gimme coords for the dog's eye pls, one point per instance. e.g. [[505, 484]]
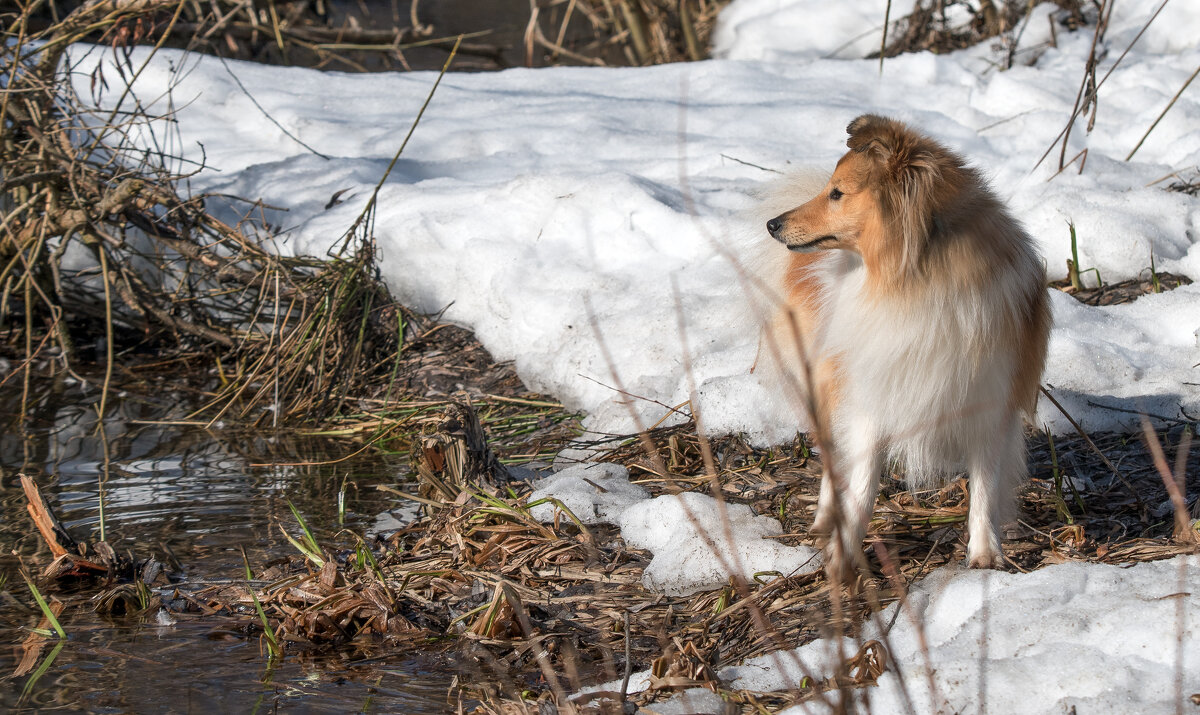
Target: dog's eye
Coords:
[[835, 195]]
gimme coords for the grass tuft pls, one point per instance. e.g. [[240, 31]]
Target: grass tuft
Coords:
[[308, 543]]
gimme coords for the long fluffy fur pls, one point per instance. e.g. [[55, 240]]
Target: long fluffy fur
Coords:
[[915, 325]]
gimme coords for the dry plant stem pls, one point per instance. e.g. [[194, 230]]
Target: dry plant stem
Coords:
[[530, 31], [690, 39], [893, 576], [1103, 457], [875, 615], [685, 188], [984, 618], [273, 339], [1062, 135], [1088, 80], [802, 400], [107, 124], [635, 20], [562, 28], [1175, 484], [18, 51], [1081, 157], [367, 210], [628, 662], [105, 471], [43, 518], [418, 28], [263, 110], [514, 600], [887, 17], [1163, 113], [1180, 629], [108, 346], [710, 467], [760, 619], [1181, 454], [28, 346]]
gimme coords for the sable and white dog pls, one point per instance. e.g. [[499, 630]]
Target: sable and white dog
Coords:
[[915, 321]]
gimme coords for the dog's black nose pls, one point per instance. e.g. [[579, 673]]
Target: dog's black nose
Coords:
[[774, 226]]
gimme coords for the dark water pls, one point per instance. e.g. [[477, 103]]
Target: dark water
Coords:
[[199, 495]]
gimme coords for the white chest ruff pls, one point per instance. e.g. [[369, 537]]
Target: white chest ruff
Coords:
[[924, 377]]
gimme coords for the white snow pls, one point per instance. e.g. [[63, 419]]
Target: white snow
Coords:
[[696, 543], [527, 196], [696, 549], [1089, 637], [693, 701], [593, 492], [560, 211]]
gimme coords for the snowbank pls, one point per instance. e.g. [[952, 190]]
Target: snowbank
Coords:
[[696, 544], [1089, 638], [527, 196]]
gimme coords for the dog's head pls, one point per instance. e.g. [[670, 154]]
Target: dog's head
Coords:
[[882, 200]]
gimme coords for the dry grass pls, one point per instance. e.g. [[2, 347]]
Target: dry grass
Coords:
[[104, 259], [369, 37], [541, 609], [1123, 291], [619, 32], [942, 26]]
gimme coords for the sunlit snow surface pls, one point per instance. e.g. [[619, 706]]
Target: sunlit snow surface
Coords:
[[1096, 638], [526, 196], [557, 210], [697, 543]]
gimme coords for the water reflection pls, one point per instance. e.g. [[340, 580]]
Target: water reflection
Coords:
[[174, 490]]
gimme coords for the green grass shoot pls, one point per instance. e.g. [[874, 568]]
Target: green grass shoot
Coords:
[[49, 614], [309, 547], [246, 564], [1060, 504], [1073, 271], [274, 648], [341, 502], [41, 670]]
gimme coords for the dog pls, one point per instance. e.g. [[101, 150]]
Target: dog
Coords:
[[914, 322]]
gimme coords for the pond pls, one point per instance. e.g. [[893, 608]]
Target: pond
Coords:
[[194, 497]]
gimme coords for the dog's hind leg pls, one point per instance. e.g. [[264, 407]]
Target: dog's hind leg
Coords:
[[996, 466]]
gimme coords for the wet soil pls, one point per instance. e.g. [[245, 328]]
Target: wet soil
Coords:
[[1123, 291]]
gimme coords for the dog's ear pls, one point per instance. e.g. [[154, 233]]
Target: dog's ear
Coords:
[[869, 134], [907, 171], [900, 156]]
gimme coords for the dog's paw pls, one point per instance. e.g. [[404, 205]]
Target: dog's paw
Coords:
[[987, 560], [822, 525], [984, 552], [839, 571], [839, 567]]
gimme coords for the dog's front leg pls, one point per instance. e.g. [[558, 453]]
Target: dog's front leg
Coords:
[[856, 499], [824, 520], [996, 466]]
